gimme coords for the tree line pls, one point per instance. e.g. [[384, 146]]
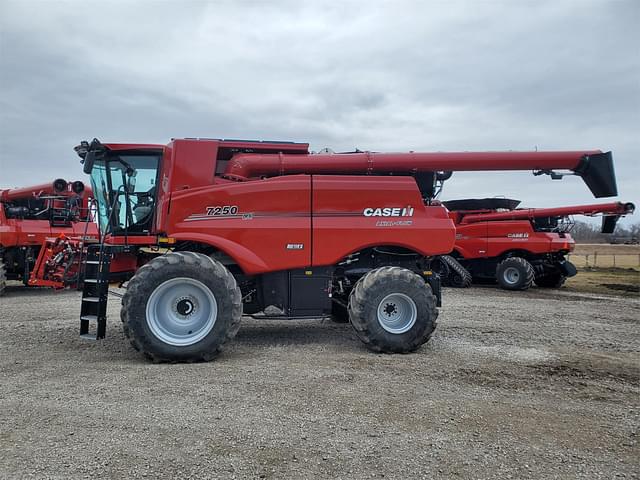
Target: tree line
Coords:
[[590, 233]]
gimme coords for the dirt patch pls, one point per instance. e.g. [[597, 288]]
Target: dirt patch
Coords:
[[613, 281], [625, 287]]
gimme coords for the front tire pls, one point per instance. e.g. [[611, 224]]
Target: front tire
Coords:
[[515, 273], [392, 310], [181, 307]]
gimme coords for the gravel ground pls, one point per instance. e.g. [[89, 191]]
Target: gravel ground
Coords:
[[537, 384]]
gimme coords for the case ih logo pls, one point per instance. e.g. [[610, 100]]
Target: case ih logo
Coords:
[[517, 235], [388, 212]]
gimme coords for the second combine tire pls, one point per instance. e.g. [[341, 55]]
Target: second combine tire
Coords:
[[515, 273], [181, 307], [392, 310], [458, 277], [552, 280]]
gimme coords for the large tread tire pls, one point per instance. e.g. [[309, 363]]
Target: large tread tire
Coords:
[[458, 277], [367, 295], [524, 274], [554, 280], [3, 277], [191, 265]]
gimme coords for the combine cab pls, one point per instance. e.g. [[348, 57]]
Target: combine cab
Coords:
[[516, 247], [214, 229], [44, 225]]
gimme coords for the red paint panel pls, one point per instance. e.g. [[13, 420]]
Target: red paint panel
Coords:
[[271, 215], [194, 164], [340, 226], [515, 235], [471, 240]]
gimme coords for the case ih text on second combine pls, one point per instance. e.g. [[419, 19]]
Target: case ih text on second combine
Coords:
[[213, 229]]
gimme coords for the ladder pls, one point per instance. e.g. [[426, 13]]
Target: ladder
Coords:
[[95, 291]]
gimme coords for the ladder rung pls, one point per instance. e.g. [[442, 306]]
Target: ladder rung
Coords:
[[91, 299], [90, 318], [93, 262], [90, 280]]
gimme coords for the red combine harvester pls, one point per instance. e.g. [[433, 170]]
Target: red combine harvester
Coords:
[[516, 247], [217, 228], [39, 218]]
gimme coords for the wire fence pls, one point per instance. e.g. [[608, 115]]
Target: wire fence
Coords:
[[606, 260]]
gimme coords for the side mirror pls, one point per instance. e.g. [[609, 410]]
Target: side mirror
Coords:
[[88, 162]]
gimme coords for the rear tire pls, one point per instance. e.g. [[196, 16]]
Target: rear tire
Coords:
[[554, 280], [392, 310], [181, 307], [515, 273], [3, 277]]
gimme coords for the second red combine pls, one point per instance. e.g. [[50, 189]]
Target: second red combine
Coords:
[[515, 247]]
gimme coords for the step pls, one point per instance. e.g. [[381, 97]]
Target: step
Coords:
[[90, 280], [91, 299], [90, 318], [93, 262]]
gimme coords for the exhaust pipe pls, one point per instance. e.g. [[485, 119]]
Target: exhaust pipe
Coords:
[[77, 187], [59, 185]]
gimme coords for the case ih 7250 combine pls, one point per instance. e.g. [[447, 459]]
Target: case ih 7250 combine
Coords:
[[31, 215], [268, 229], [515, 247]]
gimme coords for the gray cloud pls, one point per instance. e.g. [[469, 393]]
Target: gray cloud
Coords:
[[386, 76]]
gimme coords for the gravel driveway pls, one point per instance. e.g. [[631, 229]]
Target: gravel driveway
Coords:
[[530, 384]]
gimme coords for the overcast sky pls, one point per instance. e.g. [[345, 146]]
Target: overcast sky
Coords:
[[385, 76]]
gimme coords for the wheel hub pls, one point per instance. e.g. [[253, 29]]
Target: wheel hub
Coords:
[[185, 306], [511, 275], [181, 311], [390, 309], [397, 313]]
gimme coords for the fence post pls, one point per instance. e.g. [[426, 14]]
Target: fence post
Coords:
[[595, 259], [614, 260], [586, 260]]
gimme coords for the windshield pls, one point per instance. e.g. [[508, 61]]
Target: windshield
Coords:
[[124, 187]]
